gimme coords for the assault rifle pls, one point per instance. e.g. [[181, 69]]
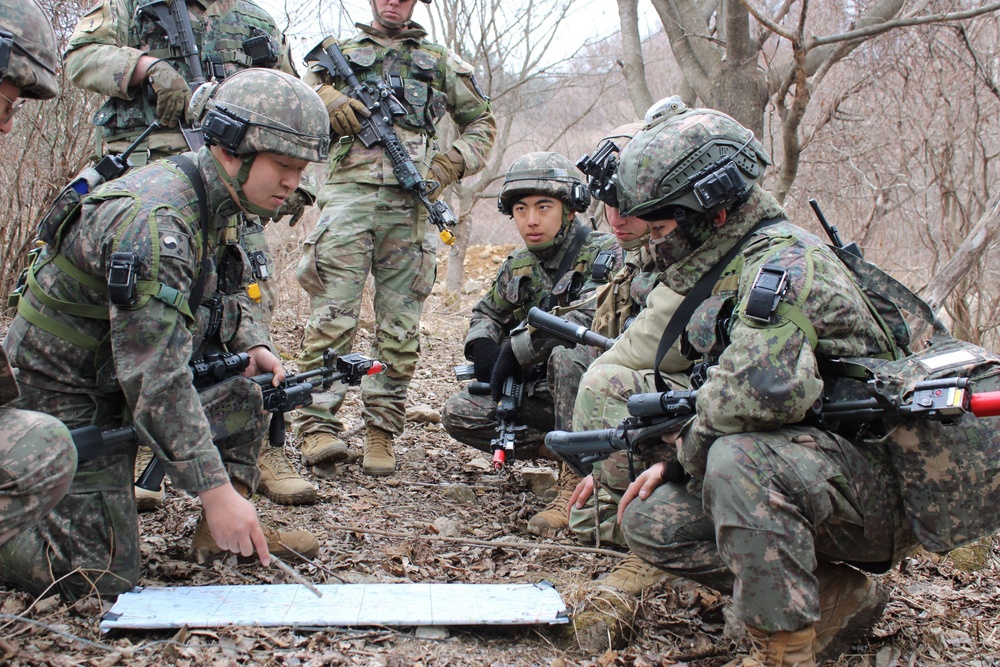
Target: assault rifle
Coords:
[[377, 129], [294, 392], [172, 18], [563, 328], [502, 446], [651, 415]]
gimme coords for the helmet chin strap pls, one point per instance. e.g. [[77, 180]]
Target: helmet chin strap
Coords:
[[236, 183]]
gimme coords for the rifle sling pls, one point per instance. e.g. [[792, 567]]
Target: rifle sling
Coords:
[[567, 262], [701, 291], [194, 176]]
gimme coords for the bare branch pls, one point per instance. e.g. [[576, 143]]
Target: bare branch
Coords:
[[878, 29]]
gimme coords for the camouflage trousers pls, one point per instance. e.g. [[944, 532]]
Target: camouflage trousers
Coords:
[[772, 506], [89, 542], [38, 461], [365, 229]]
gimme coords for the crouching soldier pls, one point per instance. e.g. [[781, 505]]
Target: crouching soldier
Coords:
[[147, 275]]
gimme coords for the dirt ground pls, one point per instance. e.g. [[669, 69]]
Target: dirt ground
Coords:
[[943, 611]]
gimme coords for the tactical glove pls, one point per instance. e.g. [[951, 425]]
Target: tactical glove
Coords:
[[506, 366], [483, 353], [344, 111], [447, 168], [294, 205], [172, 92]]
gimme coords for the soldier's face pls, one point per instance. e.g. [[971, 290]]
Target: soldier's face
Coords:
[[660, 228], [9, 104], [272, 178], [392, 14], [625, 229], [538, 218]]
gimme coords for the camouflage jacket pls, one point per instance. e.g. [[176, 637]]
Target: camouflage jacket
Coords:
[[524, 280], [433, 81], [619, 301], [8, 385], [105, 48], [134, 360], [768, 372]]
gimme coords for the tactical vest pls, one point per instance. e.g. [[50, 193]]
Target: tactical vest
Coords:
[[416, 75], [220, 48]]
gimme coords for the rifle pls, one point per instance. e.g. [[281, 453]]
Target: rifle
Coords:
[[650, 416], [502, 446], [293, 393], [563, 328], [944, 400], [377, 129], [172, 18]]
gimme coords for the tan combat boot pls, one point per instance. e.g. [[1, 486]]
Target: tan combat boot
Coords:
[[779, 649], [279, 480], [633, 575], [850, 603], [555, 515], [145, 500], [284, 544], [379, 460], [323, 447]]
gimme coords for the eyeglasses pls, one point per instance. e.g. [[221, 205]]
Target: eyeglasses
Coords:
[[13, 106]]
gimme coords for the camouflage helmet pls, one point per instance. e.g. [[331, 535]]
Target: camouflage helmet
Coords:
[[698, 159], [28, 53], [267, 111], [543, 173]]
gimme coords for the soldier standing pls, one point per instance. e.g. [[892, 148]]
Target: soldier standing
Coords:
[[125, 55], [36, 452], [369, 224], [777, 512], [149, 275], [543, 193]]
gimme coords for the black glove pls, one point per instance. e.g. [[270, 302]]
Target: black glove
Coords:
[[505, 367], [483, 353]]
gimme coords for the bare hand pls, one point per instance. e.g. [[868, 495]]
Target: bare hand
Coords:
[[233, 522], [583, 491], [643, 485], [263, 361]]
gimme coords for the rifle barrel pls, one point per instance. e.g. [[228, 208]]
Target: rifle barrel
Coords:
[[567, 330]]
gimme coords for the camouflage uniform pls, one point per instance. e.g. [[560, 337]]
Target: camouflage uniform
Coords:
[[116, 363], [781, 498], [522, 282], [37, 460], [369, 224]]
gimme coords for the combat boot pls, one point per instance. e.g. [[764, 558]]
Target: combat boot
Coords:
[[555, 515], [380, 460], [850, 603], [279, 480], [323, 447], [779, 649], [284, 544], [633, 575], [145, 500]]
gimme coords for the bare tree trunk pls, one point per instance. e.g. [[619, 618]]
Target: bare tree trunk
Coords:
[[632, 63]]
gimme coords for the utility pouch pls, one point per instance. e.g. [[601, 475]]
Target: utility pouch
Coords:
[[262, 49], [121, 279]]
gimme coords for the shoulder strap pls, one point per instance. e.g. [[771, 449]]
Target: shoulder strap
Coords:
[[701, 291], [194, 176], [567, 262]]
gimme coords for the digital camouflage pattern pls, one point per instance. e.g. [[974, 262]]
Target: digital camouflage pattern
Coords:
[[38, 460], [136, 367], [522, 282], [544, 173], [105, 48], [838, 501], [370, 225], [34, 58], [434, 81]]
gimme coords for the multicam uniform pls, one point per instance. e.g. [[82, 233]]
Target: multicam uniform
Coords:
[[779, 498], [523, 281], [37, 460], [100, 363], [369, 224]]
